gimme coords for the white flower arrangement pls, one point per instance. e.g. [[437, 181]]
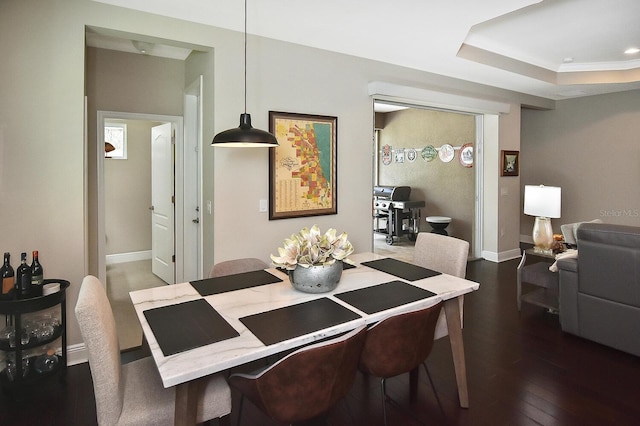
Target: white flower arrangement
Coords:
[[310, 247]]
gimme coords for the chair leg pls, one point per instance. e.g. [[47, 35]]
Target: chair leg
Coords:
[[384, 400], [433, 386], [240, 409]]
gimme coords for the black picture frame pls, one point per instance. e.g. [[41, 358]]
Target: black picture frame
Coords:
[[303, 168], [510, 163]]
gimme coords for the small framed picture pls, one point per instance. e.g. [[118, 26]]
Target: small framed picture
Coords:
[[510, 164]]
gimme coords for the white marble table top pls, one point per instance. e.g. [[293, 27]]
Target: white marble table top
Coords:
[[220, 356]]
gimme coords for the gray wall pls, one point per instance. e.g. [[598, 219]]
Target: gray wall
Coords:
[[590, 147], [448, 189]]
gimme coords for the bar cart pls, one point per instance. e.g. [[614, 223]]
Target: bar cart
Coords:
[[33, 339]]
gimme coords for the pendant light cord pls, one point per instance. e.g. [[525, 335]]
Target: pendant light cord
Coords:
[[245, 56]]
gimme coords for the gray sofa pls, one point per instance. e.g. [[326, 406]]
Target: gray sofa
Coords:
[[600, 290]]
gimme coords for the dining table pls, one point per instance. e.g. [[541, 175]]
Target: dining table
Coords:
[[199, 328]]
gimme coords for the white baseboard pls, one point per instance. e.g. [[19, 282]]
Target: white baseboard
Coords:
[[128, 257], [501, 256], [77, 354]]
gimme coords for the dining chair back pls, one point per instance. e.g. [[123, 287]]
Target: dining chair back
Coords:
[[133, 394], [305, 383], [399, 344], [237, 266], [443, 254]]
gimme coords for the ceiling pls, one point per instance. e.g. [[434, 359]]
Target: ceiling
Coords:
[[554, 49]]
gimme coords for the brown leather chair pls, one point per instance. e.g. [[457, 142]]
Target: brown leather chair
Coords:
[[237, 266], [399, 344], [305, 383]]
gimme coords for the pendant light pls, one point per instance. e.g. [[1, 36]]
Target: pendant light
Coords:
[[245, 135]]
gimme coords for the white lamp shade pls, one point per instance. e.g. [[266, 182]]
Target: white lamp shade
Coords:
[[542, 201]]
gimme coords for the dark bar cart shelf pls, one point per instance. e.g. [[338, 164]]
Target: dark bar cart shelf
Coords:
[[33, 339]]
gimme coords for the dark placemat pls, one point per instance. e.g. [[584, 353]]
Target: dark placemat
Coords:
[[292, 321], [385, 296], [404, 270], [187, 325], [346, 266], [217, 285]]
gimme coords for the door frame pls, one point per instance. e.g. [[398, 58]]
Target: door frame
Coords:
[[192, 189], [477, 231], [177, 123]]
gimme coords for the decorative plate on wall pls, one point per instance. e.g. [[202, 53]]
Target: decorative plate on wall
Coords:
[[429, 153], [386, 154], [446, 153], [466, 155]]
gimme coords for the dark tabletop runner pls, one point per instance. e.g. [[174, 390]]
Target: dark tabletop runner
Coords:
[[384, 296], [400, 269], [233, 282], [297, 320], [187, 325]]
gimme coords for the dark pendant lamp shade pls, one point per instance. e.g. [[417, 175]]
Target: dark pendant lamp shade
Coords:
[[244, 136]]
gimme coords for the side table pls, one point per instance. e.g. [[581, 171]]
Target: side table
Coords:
[[539, 275]]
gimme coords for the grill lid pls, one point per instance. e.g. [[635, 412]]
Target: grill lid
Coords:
[[392, 193]]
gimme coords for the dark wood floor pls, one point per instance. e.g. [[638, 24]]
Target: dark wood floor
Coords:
[[522, 370]]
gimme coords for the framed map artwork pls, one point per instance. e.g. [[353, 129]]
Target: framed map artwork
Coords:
[[302, 169]]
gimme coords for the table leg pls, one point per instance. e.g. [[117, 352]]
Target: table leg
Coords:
[[452, 312], [186, 404]]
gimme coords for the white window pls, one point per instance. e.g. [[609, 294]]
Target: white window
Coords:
[[115, 140]]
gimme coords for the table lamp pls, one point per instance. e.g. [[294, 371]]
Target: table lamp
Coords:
[[543, 202]]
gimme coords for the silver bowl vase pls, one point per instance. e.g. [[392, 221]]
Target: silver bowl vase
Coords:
[[316, 279]]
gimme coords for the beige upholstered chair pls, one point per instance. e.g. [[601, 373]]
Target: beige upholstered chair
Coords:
[[133, 394], [399, 344], [443, 254], [237, 266], [305, 383]]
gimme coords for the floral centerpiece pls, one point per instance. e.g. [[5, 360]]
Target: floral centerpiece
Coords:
[[314, 260], [310, 247]]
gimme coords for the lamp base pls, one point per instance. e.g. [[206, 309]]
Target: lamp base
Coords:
[[542, 235]]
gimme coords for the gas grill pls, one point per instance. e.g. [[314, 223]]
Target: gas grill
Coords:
[[394, 214]]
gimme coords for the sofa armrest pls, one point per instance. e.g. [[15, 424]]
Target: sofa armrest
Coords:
[[568, 295], [569, 264]]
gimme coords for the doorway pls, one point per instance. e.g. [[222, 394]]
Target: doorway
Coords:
[[186, 170], [148, 167], [448, 186], [143, 184]]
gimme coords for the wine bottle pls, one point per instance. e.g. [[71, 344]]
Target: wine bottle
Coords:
[[37, 275], [6, 272], [23, 278]]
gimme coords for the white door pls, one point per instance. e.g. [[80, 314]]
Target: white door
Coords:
[[162, 206]]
